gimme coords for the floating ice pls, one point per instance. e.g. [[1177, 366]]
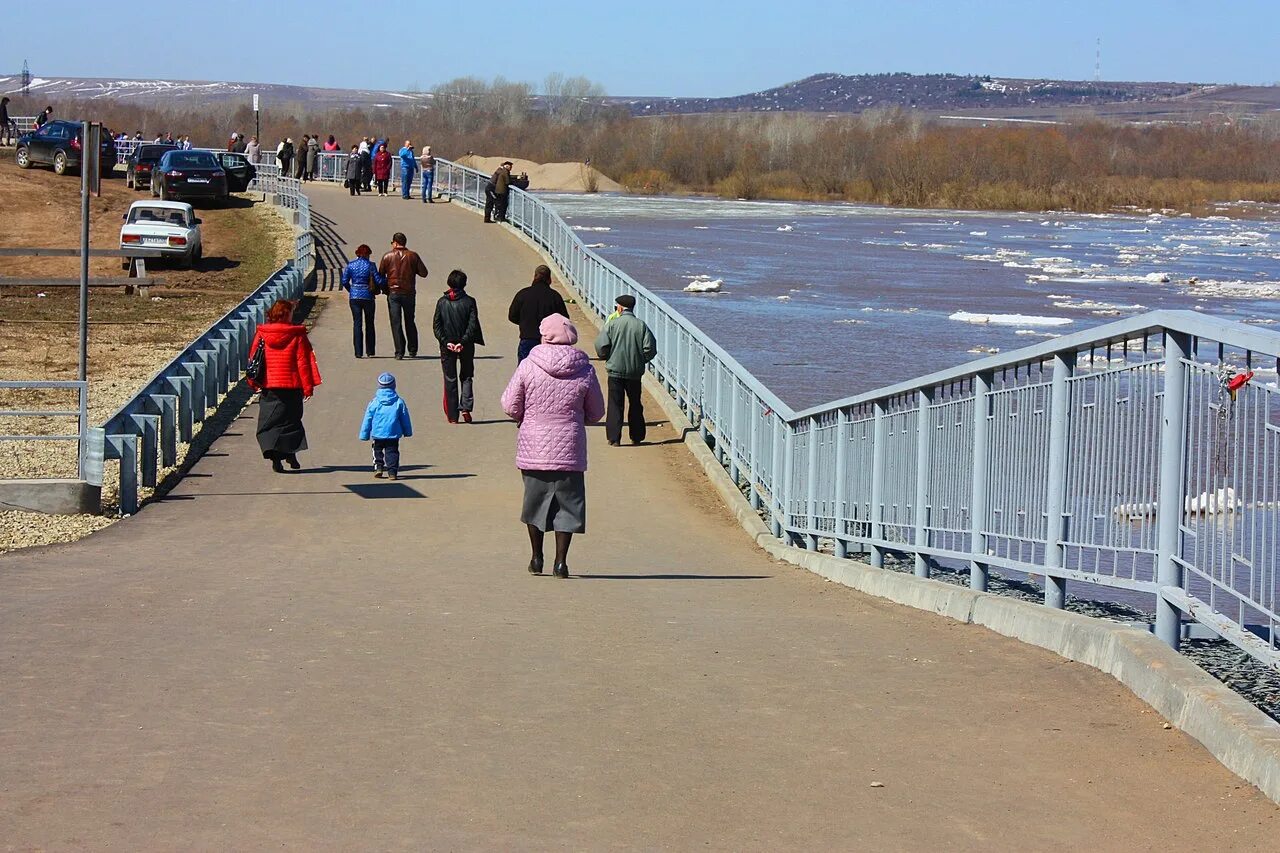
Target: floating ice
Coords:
[[785, 228], [977, 233], [704, 285], [1008, 319], [590, 228]]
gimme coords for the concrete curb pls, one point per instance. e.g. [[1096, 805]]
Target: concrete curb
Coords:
[[1244, 739]]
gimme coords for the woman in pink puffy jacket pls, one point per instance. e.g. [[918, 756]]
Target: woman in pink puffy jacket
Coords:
[[553, 395]]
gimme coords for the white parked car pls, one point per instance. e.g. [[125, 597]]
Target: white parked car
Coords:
[[170, 227]]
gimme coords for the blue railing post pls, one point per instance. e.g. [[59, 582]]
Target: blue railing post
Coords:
[[924, 428], [1169, 507], [880, 437], [753, 478], [775, 472], [811, 487], [1055, 588], [788, 497], [840, 496], [978, 570]]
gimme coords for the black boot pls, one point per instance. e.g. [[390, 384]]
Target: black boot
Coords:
[[535, 565], [560, 570], [276, 466], [293, 461]]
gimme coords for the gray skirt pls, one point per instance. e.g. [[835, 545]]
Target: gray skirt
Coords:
[[555, 500]]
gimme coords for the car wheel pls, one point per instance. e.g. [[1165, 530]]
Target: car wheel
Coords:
[[159, 193], [60, 163], [129, 181], [24, 158]]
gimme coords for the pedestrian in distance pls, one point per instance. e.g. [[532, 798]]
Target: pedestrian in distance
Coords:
[[291, 378], [44, 117], [408, 165], [457, 327], [353, 181], [300, 158], [428, 164], [382, 169], [386, 421], [8, 127], [253, 151], [362, 281], [367, 164], [401, 267], [627, 345], [313, 158], [284, 157], [331, 145], [530, 306], [553, 395]]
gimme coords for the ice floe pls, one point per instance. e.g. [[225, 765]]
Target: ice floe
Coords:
[[1009, 319]]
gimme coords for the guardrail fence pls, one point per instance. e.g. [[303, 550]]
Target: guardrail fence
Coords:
[[1144, 454]]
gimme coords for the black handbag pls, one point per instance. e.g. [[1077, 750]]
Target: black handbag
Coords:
[[256, 370]]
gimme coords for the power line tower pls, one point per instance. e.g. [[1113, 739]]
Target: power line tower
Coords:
[[1097, 63], [26, 79]]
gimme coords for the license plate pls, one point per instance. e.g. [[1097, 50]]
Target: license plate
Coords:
[[155, 241], [198, 180]]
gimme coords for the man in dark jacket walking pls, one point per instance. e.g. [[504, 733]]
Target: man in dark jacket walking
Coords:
[[627, 345], [531, 306], [402, 268], [457, 328]]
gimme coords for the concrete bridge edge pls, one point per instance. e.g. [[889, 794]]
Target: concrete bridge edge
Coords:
[[1239, 735]]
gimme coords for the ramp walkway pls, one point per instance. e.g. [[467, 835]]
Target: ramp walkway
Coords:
[[321, 660]]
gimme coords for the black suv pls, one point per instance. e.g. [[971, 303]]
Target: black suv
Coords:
[[58, 144], [137, 169]]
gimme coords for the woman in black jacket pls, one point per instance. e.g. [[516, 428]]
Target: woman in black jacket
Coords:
[[457, 328]]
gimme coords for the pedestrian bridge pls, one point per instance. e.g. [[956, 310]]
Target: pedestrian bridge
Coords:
[[321, 660]]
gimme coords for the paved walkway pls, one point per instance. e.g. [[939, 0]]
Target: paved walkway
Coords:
[[324, 661]]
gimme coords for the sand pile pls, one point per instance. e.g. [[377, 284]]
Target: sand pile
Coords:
[[562, 177]]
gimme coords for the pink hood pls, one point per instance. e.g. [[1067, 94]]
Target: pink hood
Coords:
[[553, 395]]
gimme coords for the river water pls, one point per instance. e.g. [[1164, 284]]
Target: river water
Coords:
[[821, 301]]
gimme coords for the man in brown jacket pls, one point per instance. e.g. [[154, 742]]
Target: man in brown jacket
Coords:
[[402, 267]]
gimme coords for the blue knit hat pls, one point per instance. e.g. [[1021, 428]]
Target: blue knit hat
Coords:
[[387, 380]]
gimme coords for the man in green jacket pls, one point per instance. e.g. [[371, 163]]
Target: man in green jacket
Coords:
[[627, 345]]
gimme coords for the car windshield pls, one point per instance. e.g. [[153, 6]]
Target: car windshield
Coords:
[[158, 216], [192, 160], [153, 152]]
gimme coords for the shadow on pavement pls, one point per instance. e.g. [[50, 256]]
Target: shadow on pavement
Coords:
[[673, 577]]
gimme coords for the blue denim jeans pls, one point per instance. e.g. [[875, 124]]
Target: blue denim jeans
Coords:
[[428, 185], [526, 347], [406, 182]]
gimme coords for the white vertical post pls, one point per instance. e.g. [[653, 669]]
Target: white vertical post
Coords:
[[1055, 588], [923, 470], [811, 487], [978, 569], [880, 437], [839, 509], [1169, 508]]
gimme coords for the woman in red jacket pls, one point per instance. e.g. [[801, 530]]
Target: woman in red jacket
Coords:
[[292, 376], [382, 168]]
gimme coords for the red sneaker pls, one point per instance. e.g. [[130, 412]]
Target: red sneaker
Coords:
[[466, 416]]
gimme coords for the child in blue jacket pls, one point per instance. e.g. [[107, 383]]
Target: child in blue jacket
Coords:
[[386, 421]]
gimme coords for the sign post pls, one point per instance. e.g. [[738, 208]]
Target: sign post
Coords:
[[90, 159], [257, 119]]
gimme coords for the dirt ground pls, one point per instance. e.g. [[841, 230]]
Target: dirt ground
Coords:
[[130, 336]]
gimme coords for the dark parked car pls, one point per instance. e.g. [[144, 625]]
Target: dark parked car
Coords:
[[138, 168], [189, 174], [58, 144], [240, 172]]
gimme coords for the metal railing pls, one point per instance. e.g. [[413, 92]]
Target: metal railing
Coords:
[[1144, 454], [80, 414]]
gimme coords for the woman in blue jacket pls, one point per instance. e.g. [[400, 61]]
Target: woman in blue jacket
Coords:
[[361, 280]]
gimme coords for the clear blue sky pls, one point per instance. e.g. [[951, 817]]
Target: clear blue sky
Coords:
[[651, 48]]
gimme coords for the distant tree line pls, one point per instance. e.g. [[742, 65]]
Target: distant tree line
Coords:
[[889, 157]]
